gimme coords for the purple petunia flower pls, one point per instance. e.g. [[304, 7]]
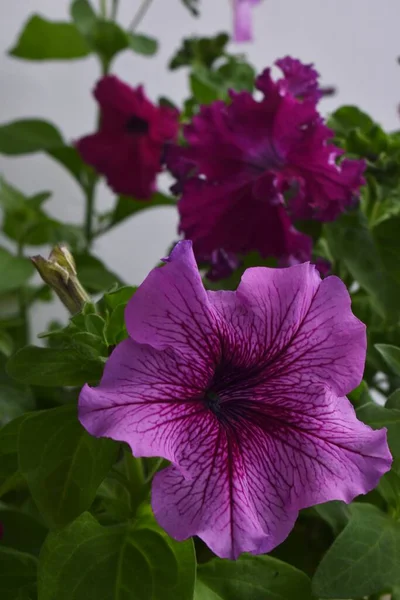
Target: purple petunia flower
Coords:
[[244, 392], [242, 24], [129, 146], [251, 168]]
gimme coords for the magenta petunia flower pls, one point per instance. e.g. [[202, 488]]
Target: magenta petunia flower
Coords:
[[129, 146], [251, 168], [242, 21], [244, 392]]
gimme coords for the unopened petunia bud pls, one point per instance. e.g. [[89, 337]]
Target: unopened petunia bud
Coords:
[[59, 272]]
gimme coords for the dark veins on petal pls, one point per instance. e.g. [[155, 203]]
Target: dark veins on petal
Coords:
[[137, 125]]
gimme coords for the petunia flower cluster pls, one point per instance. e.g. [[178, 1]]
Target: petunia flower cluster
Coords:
[[252, 168], [245, 394]]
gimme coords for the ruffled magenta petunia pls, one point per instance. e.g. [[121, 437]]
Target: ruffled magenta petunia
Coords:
[[242, 20], [244, 393], [251, 168], [129, 146]]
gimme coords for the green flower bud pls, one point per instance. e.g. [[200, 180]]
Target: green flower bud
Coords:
[[59, 272]]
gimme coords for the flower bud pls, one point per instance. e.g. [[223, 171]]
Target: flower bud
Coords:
[[59, 272]]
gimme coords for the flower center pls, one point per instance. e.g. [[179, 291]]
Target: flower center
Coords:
[[137, 125], [213, 402]]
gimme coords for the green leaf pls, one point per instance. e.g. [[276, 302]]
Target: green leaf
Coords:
[[134, 560], [394, 400], [62, 464], [21, 531], [142, 44], [205, 86], [28, 135], [127, 207], [10, 477], [119, 296], [14, 401], [83, 16], [49, 40], [379, 416], [364, 559], [107, 39], [391, 356], [251, 578], [17, 573], [93, 275], [116, 330], [14, 271], [54, 367], [348, 118], [351, 241], [200, 51]]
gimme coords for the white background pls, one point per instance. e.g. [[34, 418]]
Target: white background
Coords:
[[354, 44]]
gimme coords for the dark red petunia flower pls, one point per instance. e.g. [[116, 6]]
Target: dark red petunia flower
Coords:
[[251, 168], [129, 146]]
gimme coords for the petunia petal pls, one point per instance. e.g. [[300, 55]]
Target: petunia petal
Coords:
[[215, 501], [171, 309], [146, 398], [244, 484], [305, 324]]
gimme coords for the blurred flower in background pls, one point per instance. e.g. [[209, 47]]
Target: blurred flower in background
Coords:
[[129, 145], [242, 20]]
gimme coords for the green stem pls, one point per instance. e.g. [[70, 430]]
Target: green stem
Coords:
[[103, 9], [89, 213], [23, 308], [143, 8], [133, 468], [114, 10]]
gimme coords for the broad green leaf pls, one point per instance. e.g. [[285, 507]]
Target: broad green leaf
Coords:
[[17, 573], [364, 559], [116, 330], [54, 367], [50, 40], [137, 560], [83, 16], [28, 135], [379, 416], [10, 477], [11, 199], [204, 88], [335, 513], [21, 531], [142, 44], [394, 400], [391, 356], [360, 395], [62, 464], [251, 578], [348, 118], [119, 296], [107, 39], [389, 487], [6, 343], [93, 275], [14, 271], [126, 206], [351, 241], [14, 401]]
